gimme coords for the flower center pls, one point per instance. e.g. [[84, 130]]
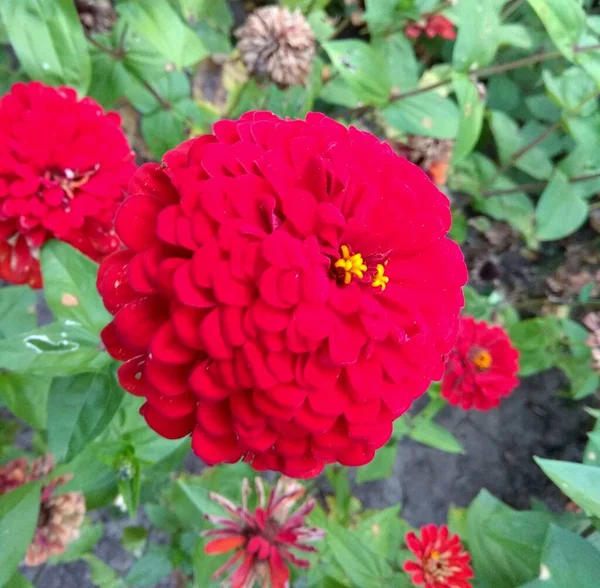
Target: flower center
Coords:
[[352, 265], [436, 568], [482, 359], [70, 180]]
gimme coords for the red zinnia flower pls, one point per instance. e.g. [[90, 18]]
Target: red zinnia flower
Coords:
[[287, 292], [441, 559], [482, 368], [433, 25], [262, 541], [64, 165]]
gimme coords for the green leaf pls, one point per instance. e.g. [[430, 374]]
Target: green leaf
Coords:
[[206, 565], [151, 568], [591, 455], [559, 211], [564, 20], [570, 560], [18, 581], [79, 409], [428, 115], [361, 564], [102, 575], [18, 518], [402, 62], [572, 90], [581, 483], [506, 134], [380, 467], [363, 68], [48, 40], [70, 286], [514, 35], [162, 27], [536, 339], [17, 310], [504, 544], [26, 397], [89, 535], [134, 539], [379, 14], [471, 107], [56, 349], [434, 435], [478, 34], [383, 530]]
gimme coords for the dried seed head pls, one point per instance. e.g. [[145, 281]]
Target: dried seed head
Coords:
[[279, 44], [97, 16]]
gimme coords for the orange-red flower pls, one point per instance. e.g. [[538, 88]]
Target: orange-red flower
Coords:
[[262, 542], [64, 166], [441, 561], [433, 25], [482, 368]]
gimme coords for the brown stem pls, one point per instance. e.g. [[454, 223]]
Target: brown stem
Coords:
[[534, 186], [164, 103], [510, 8], [114, 53], [482, 72]]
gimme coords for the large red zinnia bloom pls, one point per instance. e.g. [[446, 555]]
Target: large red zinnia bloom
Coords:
[[441, 559], [482, 368], [262, 542], [287, 291], [64, 165]]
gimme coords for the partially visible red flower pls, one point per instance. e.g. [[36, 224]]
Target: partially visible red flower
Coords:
[[64, 166], [441, 561], [262, 542], [482, 368], [287, 291], [60, 517], [433, 25]]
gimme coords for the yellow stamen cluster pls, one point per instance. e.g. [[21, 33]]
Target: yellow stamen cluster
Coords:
[[353, 265], [482, 359], [379, 279]]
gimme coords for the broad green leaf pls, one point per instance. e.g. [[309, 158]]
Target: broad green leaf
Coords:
[[559, 211], [18, 518], [383, 530], [56, 349], [584, 381], [48, 40], [570, 560], [478, 34], [103, 575], [360, 563], [26, 397], [471, 107], [591, 455], [18, 581], [17, 310], [134, 539], [380, 14], [504, 544], [589, 59], [581, 483], [516, 209], [79, 409], [215, 13], [338, 91], [514, 35], [162, 518], [428, 115], [543, 108], [434, 435], [563, 19], [380, 467], [504, 94], [572, 90], [320, 23], [363, 67], [161, 26], [70, 286], [151, 568], [197, 493], [402, 63], [508, 141], [89, 535]]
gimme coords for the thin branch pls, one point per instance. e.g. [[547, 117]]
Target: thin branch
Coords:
[[164, 103], [510, 8], [482, 72], [114, 53], [535, 186]]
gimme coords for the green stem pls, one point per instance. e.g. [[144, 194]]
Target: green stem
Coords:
[[510, 8], [534, 186]]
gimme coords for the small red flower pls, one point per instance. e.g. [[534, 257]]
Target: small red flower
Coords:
[[433, 25], [64, 165], [262, 541], [482, 368], [441, 562], [288, 290]]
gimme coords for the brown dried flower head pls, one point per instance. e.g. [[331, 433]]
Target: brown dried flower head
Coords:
[[430, 154], [60, 516], [97, 16], [279, 44]]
